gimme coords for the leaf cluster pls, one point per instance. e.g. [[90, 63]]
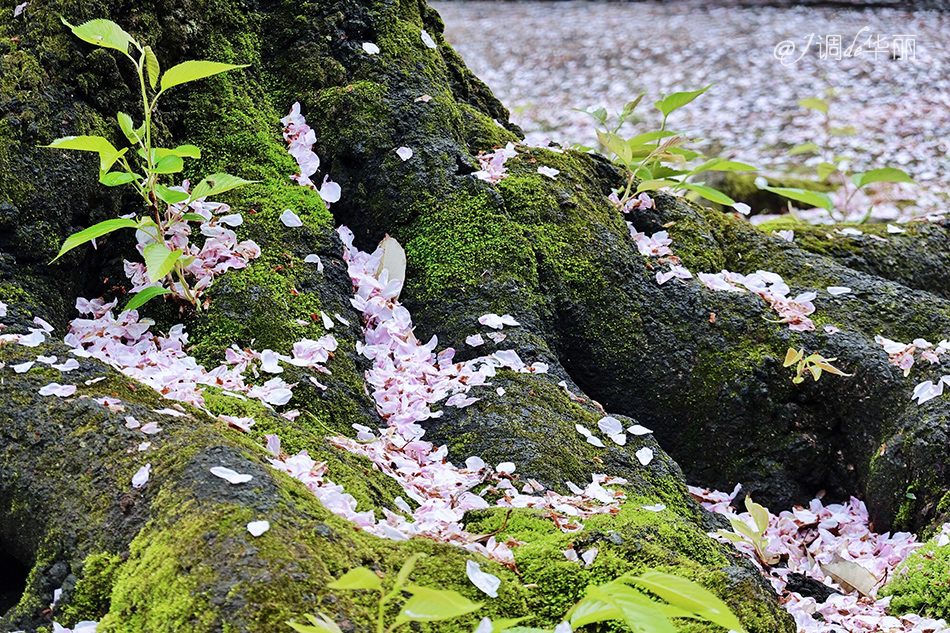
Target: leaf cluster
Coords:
[[657, 158], [742, 532], [160, 260], [626, 599], [814, 364]]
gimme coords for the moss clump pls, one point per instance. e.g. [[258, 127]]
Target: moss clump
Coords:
[[90, 599], [460, 242], [922, 583]]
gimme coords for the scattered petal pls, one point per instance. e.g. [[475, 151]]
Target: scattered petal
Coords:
[[24, 367], [370, 48], [427, 39], [256, 528], [140, 478], [657, 507], [595, 441], [742, 208], [475, 340], [488, 583], [56, 389], [638, 429], [891, 228], [550, 172], [838, 290], [589, 556], [290, 219], [404, 153], [645, 455], [230, 476]]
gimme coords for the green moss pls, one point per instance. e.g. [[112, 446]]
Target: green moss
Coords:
[[460, 242], [90, 599], [921, 584]]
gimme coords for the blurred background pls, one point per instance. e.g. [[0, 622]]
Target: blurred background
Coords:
[[888, 101]]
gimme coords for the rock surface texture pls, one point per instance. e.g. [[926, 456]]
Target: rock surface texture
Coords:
[[175, 554]]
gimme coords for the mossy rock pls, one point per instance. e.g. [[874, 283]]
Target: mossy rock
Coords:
[[919, 585]]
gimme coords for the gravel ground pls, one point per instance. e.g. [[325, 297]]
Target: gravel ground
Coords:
[[543, 58]]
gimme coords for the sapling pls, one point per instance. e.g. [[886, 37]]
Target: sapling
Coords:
[[835, 166], [166, 207], [656, 159], [815, 364], [622, 599]]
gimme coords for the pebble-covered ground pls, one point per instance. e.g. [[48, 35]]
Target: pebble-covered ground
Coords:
[[543, 58]]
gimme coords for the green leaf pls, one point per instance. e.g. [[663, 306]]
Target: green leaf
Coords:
[[169, 165], [151, 65], [159, 260], [357, 578], [615, 144], [708, 192], [591, 609], [792, 356], [804, 148], [193, 217], [733, 165], [599, 114], [103, 33], [825, 170], [814, 103], [647, 137], [887, 174], [678, 100], [403, 576], [185, 151], [664, 172], [630, 106], [216, 184], [115, 178], [653, 185], [193, 71], [323, 625], [94, 231], [429, 605], [848, 130], [128, 127], [108, 154], [814, 198], [758, 512], [170, 196], [144, 295], [639, 612], [688, 596], [497, 626], [742, 529]]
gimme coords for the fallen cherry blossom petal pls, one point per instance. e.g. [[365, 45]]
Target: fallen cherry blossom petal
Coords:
[[656, 507], [256, 528], [404, 153], [645, 455], [140, 478], [638, 429], [231, 476], [56, 389], [370, 48], [550, 172], [290, 219], [427, 39], [23, 367], [486, 582], [838, 290]]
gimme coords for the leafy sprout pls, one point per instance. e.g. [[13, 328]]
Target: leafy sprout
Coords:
[[162, 262]]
